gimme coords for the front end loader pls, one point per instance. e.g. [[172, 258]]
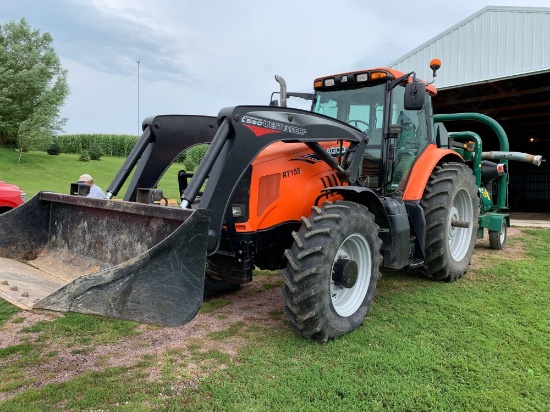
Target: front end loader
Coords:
[[144, 262], [130, 261], [361, 182]]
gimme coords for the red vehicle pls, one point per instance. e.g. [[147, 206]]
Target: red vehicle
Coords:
[[10, 196]]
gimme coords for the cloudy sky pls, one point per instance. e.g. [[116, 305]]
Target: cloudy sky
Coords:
[[197, 57]]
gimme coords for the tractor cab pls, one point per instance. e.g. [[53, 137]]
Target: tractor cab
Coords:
[[377, 102]]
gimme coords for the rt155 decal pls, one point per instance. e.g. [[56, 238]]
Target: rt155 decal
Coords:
[[291, 172]]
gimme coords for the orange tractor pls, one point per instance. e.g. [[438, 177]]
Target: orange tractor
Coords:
[[363, 181]]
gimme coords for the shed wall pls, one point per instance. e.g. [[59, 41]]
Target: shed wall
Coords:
[[496, 42]]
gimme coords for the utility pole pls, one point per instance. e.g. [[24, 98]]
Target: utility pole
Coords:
[[139, 120]]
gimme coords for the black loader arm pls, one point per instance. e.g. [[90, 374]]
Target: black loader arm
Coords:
[[163, 139], [243, 133]]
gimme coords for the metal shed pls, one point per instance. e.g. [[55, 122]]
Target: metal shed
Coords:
[[497, 62]]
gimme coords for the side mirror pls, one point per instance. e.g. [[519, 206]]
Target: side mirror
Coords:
[[415, 94], [274, 103]]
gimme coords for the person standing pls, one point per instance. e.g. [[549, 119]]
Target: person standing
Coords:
[[95, 190]]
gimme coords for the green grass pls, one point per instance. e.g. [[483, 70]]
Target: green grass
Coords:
[[478, 344], [7, 311], [77, 329], [471, 345], [38, 171], [211, 305]]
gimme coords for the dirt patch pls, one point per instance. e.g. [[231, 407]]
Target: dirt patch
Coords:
[[512, 249], [485, 257], [529, 216], [257, 303]]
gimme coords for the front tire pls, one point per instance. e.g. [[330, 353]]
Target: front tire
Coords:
[[450, 195], [497, 238], [332, 270]]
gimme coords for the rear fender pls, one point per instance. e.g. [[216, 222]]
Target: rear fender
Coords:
[[10, 198], [423, 167]]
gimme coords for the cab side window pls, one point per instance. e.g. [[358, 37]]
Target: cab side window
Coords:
[[412, 140]]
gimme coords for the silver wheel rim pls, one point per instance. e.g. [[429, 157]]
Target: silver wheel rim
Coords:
[[502, 234], [346, 301], [460, 237]]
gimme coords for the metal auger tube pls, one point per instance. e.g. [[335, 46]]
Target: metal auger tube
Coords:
[[518, 156]]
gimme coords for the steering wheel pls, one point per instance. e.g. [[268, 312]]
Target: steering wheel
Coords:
[[357, 122]]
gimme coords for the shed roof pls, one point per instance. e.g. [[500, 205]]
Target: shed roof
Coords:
[[494, 43]]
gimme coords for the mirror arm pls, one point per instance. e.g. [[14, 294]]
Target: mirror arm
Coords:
[[402, 78]]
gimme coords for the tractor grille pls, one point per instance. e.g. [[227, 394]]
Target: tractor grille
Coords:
[[268, 191]]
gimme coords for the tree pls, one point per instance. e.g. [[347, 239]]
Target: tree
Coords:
[[33, 87]]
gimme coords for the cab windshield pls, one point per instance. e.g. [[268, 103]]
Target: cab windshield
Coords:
[[361, 108]]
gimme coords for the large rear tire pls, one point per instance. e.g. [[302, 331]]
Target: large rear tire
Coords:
[[332, 270], [450, 195]]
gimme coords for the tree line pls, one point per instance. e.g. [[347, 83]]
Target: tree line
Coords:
[[33, 87]]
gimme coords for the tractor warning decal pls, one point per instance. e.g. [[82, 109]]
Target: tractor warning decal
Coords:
[[261, 126]]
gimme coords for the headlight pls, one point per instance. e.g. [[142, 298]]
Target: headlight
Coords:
[[237, 210], [240, 199]]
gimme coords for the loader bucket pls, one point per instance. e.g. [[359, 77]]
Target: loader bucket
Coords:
[[117, 259]]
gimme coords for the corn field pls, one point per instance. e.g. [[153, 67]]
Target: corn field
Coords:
[[111, 144], [117, 145]]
